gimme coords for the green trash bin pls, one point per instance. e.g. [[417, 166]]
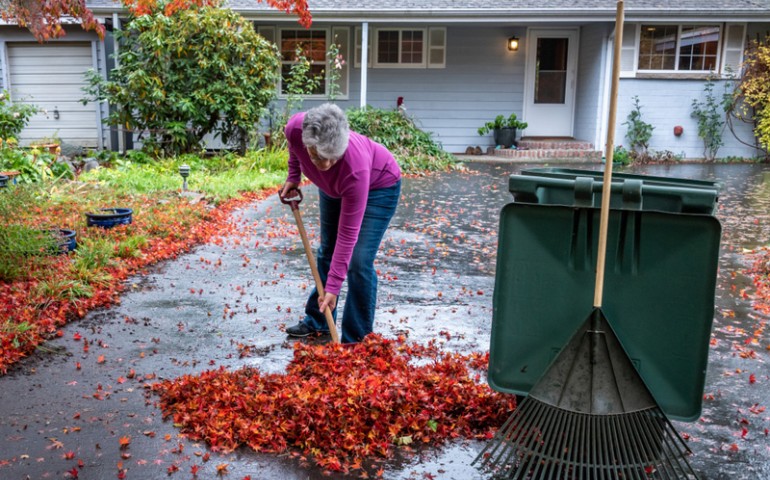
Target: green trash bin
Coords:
[[563, 186], [658, 293]]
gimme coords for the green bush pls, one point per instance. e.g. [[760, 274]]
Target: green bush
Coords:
[[13, 116], [710, 115], [34, 165], [200, 70], [639, 132], [414, 149]]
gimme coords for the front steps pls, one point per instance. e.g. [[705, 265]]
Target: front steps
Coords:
[[549, 150]]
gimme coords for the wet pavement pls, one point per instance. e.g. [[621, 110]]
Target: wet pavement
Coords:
[[226, 304]]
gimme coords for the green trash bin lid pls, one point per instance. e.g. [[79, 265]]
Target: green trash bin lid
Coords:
[[658, 295], [561, 186]]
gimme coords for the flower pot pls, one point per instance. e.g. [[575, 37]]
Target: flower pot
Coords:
[[52, 148], [3, 181], [66, 240], [505, 136], [109, 217]]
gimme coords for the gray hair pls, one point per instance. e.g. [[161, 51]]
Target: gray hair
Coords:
[[325, 127]]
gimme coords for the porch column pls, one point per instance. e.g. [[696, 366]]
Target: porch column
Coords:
[[364, 60]]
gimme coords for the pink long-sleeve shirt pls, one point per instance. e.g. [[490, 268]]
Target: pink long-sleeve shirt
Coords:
[[366, 165]]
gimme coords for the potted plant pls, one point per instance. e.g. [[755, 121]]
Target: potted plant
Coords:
[[503, 129]]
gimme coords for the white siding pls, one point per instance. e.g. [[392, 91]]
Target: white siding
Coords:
[[481, 80], [51, 76], [668, 103]]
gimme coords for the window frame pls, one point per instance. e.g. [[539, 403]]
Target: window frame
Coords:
[[376, 47], [325, 63], [677, 71]]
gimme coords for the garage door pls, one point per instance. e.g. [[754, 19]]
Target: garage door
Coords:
[[51, 77]]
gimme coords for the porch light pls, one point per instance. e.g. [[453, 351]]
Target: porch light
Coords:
[[513, 44]]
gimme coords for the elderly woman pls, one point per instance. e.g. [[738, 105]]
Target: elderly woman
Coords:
[[359, 183]]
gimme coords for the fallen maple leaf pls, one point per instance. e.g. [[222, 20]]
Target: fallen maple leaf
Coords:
[[124, 441]]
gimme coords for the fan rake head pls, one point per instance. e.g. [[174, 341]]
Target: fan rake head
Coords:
[[590, 416]]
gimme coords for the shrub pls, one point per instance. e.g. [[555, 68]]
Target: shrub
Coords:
[[414, 149], [711, 122], [639, 132], [33, 165], [13, 116], [198, 71]]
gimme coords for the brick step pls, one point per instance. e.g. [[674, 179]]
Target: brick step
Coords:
[[548, 144], [550, 155]]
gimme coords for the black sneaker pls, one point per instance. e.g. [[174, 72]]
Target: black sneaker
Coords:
[[300, 330]]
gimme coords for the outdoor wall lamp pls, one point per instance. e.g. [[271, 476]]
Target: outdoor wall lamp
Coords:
[[55, 113], [513, 44], [184, 171]]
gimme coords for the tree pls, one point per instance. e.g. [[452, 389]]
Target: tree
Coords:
[[181, 76], [43, 17]]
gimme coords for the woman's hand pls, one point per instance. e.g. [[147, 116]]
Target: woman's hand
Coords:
[[328, 300], [287, 187]]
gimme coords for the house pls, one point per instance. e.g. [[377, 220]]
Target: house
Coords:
[[456, 64]]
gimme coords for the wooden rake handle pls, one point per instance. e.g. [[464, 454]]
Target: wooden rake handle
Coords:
[[293, 200], [610, 149]]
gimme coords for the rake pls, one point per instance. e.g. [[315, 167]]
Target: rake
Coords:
[[590, 416]]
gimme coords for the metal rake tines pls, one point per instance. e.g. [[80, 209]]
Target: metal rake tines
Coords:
[[540, 441]]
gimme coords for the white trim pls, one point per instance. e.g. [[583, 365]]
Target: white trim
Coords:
[[440, 47], [726, 50], [364, 62], [4, 65], [345, 52], [572, 61], [679, 24], [98, 110], [279, 38], [376, 46], [606, 79]]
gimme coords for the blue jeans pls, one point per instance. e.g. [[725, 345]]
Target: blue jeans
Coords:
[[361, 299]]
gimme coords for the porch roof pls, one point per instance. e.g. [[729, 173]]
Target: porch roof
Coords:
[[458, 11]]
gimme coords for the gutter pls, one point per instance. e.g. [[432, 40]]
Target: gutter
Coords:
[[518, 16]]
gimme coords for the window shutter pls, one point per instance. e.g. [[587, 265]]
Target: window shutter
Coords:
[[628, 50], [357, 62], [437, 47], [340, 37], [268, 33], [732, 48]]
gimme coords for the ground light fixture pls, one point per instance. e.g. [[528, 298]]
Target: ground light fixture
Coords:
[[513, 44], [184, 171]]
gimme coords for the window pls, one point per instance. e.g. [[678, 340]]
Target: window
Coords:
[[400, 47], [312, 45], [679, 47]]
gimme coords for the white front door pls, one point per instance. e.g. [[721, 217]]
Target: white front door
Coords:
[[549, 94]]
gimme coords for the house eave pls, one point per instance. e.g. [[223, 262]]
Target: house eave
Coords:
[[511, 16]]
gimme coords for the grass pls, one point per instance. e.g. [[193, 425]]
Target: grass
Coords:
[[40, 291]]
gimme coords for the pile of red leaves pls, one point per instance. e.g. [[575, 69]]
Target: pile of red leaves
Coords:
[[341, 405]]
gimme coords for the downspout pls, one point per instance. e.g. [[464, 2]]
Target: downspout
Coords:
[[364, 61], [98, 109], [605, 92], [115, 50]]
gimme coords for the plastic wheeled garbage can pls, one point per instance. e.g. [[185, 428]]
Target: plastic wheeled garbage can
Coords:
[[662, 254]]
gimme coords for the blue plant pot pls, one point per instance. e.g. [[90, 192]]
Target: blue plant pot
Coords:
[[110, 217], [66, 240], [3, 181]]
